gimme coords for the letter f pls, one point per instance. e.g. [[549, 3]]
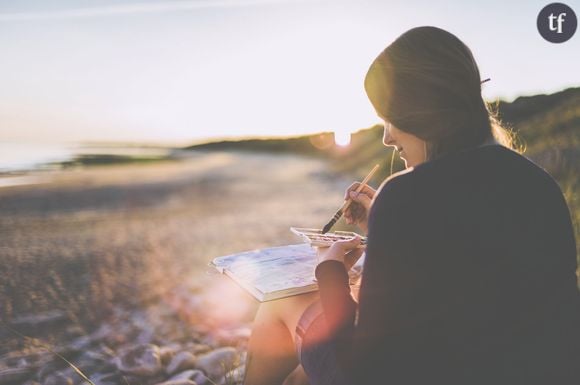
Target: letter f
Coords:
[[560, 21]]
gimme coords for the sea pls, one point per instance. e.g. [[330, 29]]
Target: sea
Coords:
[[19, 159]]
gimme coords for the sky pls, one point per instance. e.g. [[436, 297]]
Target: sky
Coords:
[[186, 70]]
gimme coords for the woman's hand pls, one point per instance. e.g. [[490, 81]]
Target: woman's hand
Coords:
[[358, 211], [343, 251]]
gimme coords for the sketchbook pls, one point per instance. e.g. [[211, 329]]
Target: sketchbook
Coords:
[[276, 272]]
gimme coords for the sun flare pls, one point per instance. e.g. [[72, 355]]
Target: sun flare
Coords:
[[342, 138]]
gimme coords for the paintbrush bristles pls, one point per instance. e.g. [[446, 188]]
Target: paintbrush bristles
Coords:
[[329, 225]]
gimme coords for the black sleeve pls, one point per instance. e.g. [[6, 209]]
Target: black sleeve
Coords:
[[457, 282], [384, 309]]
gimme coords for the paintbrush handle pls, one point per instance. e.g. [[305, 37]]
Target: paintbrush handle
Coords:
[[347, 203], [367, 178], [360, 187], [336, 216]]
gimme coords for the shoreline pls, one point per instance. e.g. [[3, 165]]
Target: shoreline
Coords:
[[44, 172]]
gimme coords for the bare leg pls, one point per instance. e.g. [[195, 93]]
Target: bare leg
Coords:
[[271, 349], [297, 377]]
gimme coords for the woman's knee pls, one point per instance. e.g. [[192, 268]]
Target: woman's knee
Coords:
[[287, 310], [294, 309]]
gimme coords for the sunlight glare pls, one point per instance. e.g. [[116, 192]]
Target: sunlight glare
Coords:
[[342, 138], [226, 303]]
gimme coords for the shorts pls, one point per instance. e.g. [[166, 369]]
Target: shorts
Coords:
[[315, 350]]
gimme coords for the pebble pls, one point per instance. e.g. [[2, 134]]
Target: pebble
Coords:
[[13, 375], [178, 382], [192, 374], [80, 343], [141, 360], [57, 379], [105, 378], [181, 361], [167, 353], [176, 352], [218, 362]]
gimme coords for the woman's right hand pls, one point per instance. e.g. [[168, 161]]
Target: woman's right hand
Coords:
[[358, 211]]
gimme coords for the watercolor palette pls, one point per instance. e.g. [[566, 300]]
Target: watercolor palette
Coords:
[[316, 238]]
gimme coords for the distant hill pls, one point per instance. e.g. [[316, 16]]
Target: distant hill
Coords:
[[548, 127]]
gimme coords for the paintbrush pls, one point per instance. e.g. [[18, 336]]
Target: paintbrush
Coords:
[[347, 203]]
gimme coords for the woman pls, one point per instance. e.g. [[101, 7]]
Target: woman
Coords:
[[469, 275]]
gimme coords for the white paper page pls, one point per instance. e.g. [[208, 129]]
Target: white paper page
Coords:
[[277, 268]]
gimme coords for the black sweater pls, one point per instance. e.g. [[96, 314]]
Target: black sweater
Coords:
[[469, 278]]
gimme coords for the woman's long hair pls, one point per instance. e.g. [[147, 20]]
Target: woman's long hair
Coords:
[[427, 83]]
